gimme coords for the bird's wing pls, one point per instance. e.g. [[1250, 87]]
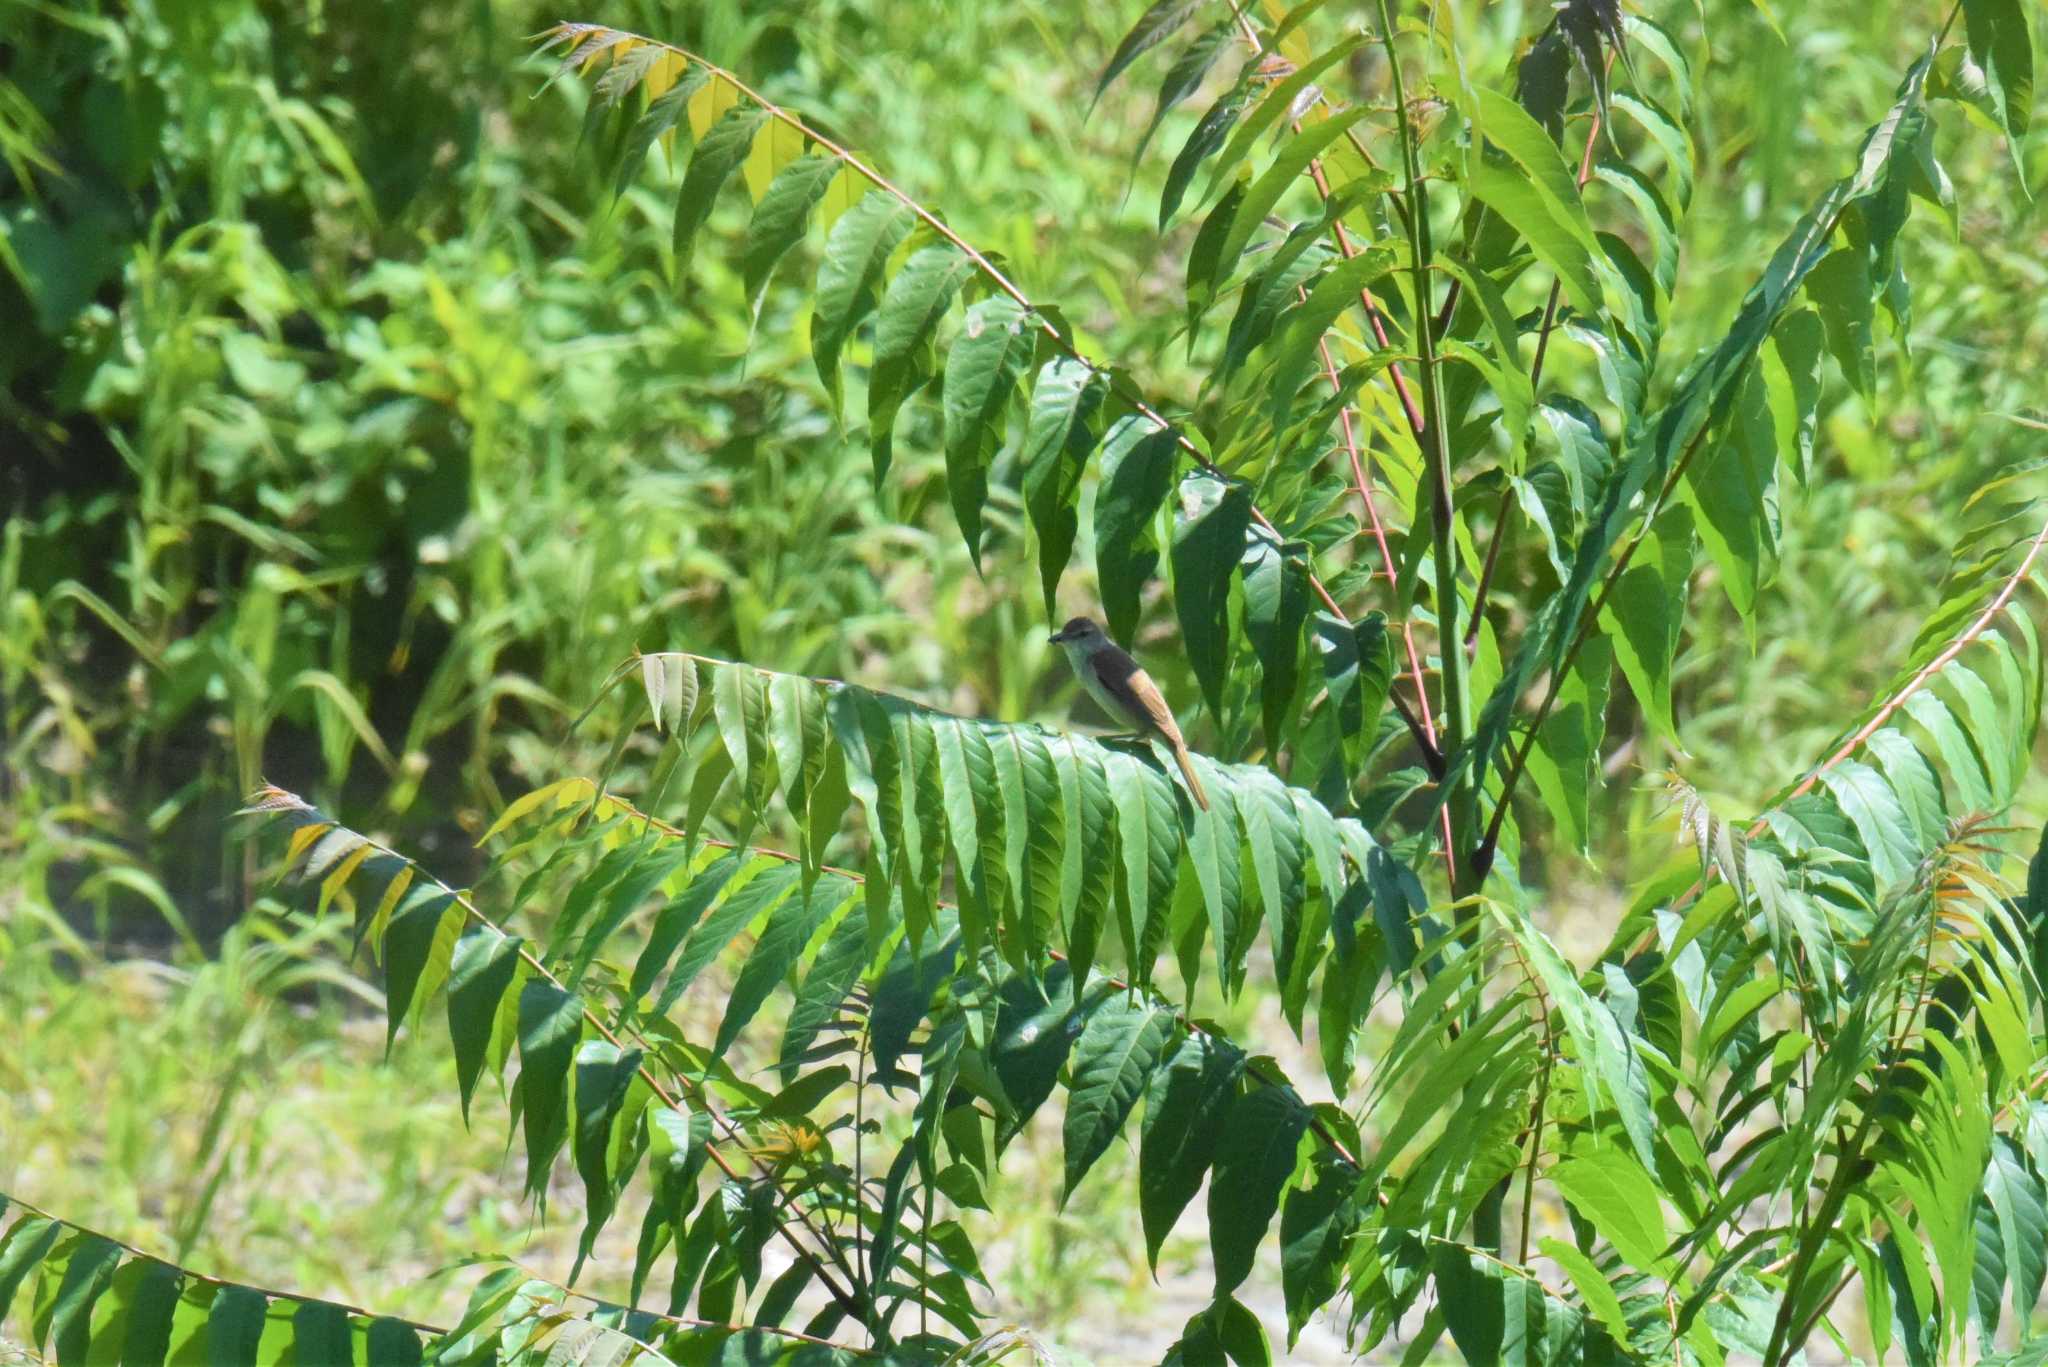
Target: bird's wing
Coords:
[[1121, 673]]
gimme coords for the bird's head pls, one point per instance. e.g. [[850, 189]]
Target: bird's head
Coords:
[[1079, 631]]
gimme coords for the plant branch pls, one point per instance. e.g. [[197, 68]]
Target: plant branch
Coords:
[[1119, 385], [1316, 1126], [1500, 524], [273, 798]]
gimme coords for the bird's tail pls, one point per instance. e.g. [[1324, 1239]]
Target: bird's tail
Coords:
[[1187, 771]]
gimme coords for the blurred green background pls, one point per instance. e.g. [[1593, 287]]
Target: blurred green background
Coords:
[[352, 431]]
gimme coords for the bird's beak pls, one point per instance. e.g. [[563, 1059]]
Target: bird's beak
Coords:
[[1054, 639]]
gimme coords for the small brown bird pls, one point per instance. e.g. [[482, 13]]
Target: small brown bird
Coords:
[[1126, 692]]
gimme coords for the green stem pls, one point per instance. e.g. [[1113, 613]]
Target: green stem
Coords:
[[1457, 695]]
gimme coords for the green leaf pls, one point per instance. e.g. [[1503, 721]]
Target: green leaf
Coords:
[[1185, 77], [1030, 1042], [1595, 1287], [1088, 850], [1301, 329], [782, 943], [2001, 42], [724, 146], [1316, 1223], [1275, 102], [780, 218], [1873, 808], [2016, 1197], [739, 703], [87, 1270], [235, 1326], [1137, 471], [753, 897], [320, 1333], [1842, 291], [149, 1292], [1207, 136], [1567, 243], [393, 1342], [604, 1075], [1497, 1314], [485, 965], [28, 1242], [550, 1027], [825, 987], [417, 948], [1282, 174], [1118, 1050], [675, 921], [982, 371], [1187, 1105], [1279, 855], [1276, 604], [1253, 1164], [967, 781], [1208, 542], [1644, 613], [1732, 487], [796, 733], [1213, 846], [1033, 828], [917, 298], [857, 250], [1613, 1194], [1057, 442], [1149, 837], [1564, 760], [1154, 27]]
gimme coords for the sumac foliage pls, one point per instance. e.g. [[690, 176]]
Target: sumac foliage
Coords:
[[1445, 499]]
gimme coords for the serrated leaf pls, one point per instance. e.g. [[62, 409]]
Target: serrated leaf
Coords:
[[1137, 472], [1301, 329], [1276, 604], [781, 217], [1562, 762], [758, 894], [550, 1027], [417, 950], [1207, 136], [1253, 1162], [1187, 1106], [1646, 609], [982, 370], [2001, 41], [718, 154], [1185, 77], [796, 733], [916, 299], [1154, 27], [782, 943], [1029, 789], [739, 703], [482, 971], [1281, 174], [1030, 1043], [1315, 1228], [825, 987], [857, 251], [1057, 443], [1088, 851], [1117, 1051], [1208, 542], [1149, 838], [234, 1326]]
